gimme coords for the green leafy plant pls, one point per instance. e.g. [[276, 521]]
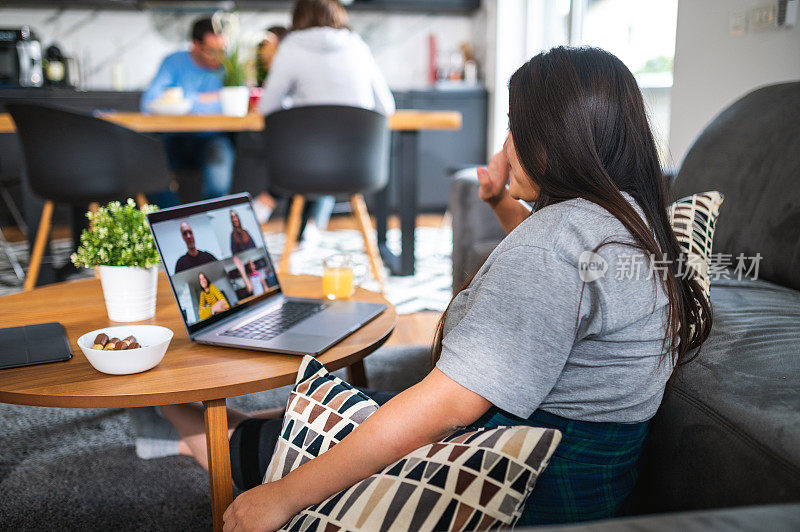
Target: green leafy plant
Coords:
[[235, 71], [118, 235]]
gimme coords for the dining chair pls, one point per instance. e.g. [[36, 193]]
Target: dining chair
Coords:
[[6, 182], [79, 159], [328, 150]]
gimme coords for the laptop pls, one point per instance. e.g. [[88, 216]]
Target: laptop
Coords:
[[224, 282]]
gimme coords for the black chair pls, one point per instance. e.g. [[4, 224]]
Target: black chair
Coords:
[[325, 150], [6, 182], [79, 159]]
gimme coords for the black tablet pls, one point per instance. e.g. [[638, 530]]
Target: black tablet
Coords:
[[33, 344]]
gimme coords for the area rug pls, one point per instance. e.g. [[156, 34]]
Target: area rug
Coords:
[[428, 289]]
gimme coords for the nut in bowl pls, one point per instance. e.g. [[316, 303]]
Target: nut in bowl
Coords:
[[125, 358]]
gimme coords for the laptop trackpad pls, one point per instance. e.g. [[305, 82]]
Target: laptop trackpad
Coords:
[[327, 323], [298, 342]]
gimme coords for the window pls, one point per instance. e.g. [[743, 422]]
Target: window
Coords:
[[640, 32], [642, 35]]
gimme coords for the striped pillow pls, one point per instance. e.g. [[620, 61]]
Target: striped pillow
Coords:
[[693, 220]]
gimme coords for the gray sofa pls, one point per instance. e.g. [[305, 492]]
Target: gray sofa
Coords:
[[728, 431]]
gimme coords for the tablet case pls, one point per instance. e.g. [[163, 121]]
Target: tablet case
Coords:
[[33, 344]]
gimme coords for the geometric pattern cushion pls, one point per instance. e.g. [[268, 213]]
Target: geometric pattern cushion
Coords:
[[472, 480], [322, 409], [693, 220]]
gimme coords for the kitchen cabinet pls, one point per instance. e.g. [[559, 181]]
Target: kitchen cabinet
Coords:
[[426, 6], [441, 152], [452, 6]]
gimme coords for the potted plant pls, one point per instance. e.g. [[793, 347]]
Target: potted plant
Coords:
[[235, 95], [119, 244]]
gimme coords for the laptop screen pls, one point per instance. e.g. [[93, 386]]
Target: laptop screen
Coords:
[[215, 258]]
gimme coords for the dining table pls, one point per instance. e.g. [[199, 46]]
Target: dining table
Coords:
[[405, 124], [188, 372]]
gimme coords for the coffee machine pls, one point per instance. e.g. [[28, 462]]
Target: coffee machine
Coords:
[[20, 58]]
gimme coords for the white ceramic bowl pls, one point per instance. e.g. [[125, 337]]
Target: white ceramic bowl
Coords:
[[153, 338], [180, 107]]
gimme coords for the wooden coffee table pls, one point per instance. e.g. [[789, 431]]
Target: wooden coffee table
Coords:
[[189, 371]]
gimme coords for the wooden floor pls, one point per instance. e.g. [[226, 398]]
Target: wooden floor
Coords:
[[412, 329]]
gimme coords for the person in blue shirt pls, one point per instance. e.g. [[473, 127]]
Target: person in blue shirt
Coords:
[[198, 72]]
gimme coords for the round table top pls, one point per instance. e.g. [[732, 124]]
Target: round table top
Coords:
[[188, 372]]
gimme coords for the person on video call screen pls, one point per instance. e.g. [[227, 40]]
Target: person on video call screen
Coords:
[[193, 257]]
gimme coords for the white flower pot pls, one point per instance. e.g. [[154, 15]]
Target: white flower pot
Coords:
[[129, 291], [234, 100]]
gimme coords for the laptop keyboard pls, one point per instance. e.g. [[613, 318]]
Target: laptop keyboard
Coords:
[[271, 325]]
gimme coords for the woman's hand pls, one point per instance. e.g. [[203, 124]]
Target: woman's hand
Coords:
[[219, 306], [263, 508], [493, 178]]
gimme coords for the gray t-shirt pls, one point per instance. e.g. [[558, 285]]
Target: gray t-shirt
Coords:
[[528, 333]]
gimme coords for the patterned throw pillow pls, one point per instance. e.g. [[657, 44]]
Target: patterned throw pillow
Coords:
[[474, 479], [693, 220], [322, 409]]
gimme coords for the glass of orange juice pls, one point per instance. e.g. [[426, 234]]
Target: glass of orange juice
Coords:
[[339, 276]]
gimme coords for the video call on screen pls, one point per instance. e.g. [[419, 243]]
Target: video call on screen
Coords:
[[215, 259]]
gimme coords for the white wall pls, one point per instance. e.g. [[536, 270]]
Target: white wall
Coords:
[[713, 68], [139, 40]]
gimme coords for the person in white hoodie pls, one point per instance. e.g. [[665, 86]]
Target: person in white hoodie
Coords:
[[322, 62]]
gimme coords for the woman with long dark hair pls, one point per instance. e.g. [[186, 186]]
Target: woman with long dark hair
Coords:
[[240, 238], [548, 332]]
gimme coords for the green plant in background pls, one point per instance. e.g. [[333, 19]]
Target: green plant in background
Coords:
[[657, 64], [118, 235], [235, 71]]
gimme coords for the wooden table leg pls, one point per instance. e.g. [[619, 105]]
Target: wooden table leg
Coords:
[[357, 374], [219, 459]]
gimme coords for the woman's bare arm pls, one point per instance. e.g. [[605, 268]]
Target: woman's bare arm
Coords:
[[509, 211], [423, 414], [492, 189]]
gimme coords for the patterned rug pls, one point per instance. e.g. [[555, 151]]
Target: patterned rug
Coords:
[[428, 289]]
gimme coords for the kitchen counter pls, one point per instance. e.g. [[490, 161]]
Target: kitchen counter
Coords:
[[401, 120], [73, 99]]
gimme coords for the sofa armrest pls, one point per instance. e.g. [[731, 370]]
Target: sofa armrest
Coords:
[[476, 230]]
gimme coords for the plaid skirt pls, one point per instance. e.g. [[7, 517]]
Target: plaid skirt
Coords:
[[591, 473]]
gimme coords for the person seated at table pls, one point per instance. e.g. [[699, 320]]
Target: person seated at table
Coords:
[[212, 300], [322, 62], [530, 340], [256, 279], [240, 238], [198, 76], [193, 256], [266, 50]]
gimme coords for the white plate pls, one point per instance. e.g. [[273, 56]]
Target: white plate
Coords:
[[153, 339]]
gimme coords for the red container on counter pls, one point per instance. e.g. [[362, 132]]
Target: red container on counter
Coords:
[[255, 97]]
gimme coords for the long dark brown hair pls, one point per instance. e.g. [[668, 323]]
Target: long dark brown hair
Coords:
[[240, 236], [580, 131]]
